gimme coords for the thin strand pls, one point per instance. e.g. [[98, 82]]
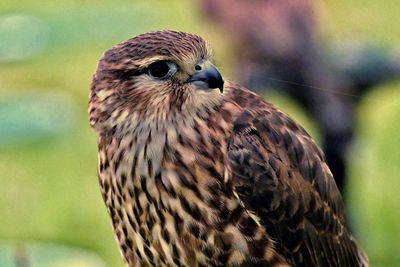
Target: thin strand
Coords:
[[334, 91]]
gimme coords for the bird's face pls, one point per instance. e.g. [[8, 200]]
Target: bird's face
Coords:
[[153, 77]]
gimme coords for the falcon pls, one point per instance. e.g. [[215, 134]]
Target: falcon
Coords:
[[199, 171]]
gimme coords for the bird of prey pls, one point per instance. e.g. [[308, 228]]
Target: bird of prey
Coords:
[[199, 171]]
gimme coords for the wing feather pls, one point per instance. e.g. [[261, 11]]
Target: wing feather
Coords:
[[281, 175]]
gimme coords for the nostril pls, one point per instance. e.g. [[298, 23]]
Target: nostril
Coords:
[[197, 67]]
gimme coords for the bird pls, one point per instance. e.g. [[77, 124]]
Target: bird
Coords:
[[197, 170], [280, 48]]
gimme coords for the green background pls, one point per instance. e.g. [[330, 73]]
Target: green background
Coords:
[[48, 52]]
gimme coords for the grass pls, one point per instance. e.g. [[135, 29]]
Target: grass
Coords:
[[49, 190]]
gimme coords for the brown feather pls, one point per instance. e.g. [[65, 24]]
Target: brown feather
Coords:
[[195, 177], [281, 175]]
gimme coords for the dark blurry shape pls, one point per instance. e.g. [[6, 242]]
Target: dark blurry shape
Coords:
[[363, 65], [22, 36], [33, 116], [46, 255], [278, 46]]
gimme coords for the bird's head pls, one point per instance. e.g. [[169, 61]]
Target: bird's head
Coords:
[[151, 77]]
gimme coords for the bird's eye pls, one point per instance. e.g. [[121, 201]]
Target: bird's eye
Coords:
[[160, 69]]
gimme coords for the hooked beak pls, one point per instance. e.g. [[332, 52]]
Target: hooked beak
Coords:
[[208, 78]]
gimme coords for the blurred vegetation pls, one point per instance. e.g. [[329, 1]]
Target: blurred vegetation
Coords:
[[50, 255], [48, 53]]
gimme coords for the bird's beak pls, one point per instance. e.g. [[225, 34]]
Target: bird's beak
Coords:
[[207, 78]]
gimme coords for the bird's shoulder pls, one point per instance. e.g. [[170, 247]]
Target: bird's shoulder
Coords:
[[280, 174], [263, 132]]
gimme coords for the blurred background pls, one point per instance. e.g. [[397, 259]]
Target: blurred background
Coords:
[[51, 210]]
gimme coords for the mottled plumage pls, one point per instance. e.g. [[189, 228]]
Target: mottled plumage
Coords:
[[196, 171]]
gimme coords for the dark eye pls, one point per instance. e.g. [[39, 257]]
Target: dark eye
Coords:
[[159, 69]]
